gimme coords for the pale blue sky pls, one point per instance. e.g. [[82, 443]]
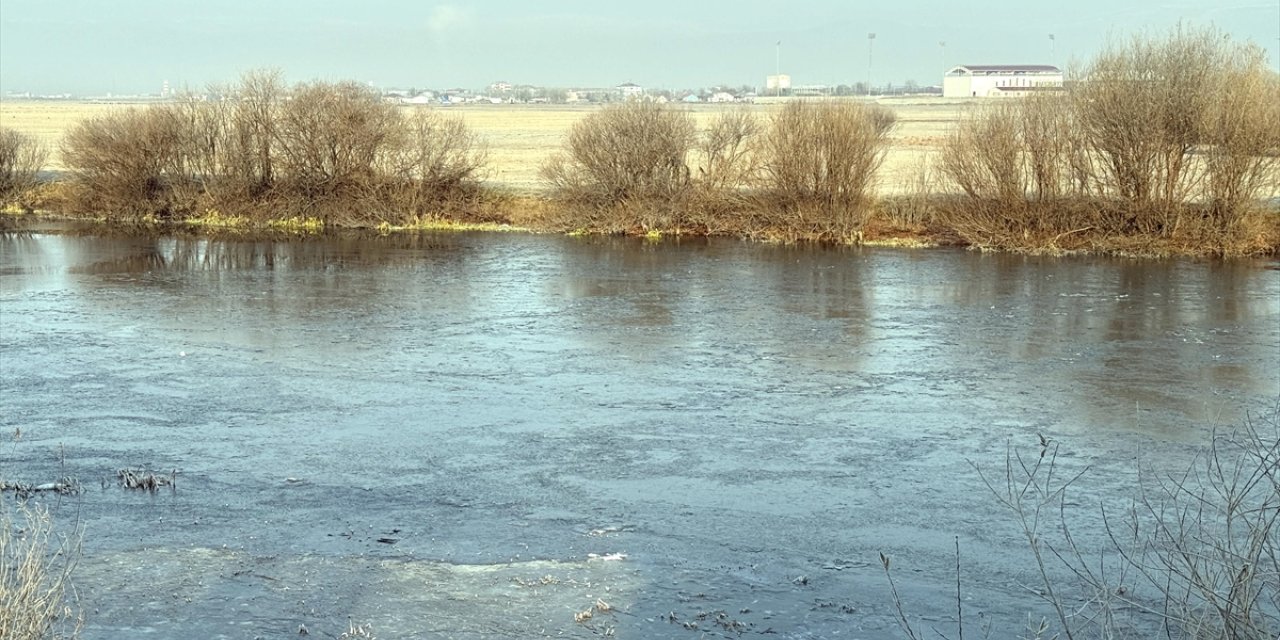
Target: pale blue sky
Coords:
[[95, 46]]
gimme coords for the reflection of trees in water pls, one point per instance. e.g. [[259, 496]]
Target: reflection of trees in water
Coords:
[[1125, 334], [829, 286], [714, 297], [625, 282], [135, 254], [338, 288], [1171, 338], [21, 252], [304, 253]]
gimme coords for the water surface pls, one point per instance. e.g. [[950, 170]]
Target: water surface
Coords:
[[750, 425]]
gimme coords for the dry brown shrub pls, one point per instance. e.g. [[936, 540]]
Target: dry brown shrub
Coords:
[[436, 167], [21, 159], [1241, 134], [332, 138], [817, 163], [624, 168], [915, 210], [333, 151], [627, 151], [1140, 105], [36, 596], [1170, 139], [251, 153], [983, 154], [726, 166], [119, 163], [159, 161], [725, 150], [1180, 122]]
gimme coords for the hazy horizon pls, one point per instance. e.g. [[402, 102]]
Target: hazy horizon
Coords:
[[86, 47]]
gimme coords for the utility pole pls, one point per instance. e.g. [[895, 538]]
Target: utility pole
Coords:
[[777, 69], [871, 41]]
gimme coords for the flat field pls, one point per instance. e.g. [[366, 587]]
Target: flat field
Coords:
[[521, 137]]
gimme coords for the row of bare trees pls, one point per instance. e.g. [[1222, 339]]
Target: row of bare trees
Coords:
[[1165, 137], [329, 150], [806, 172]]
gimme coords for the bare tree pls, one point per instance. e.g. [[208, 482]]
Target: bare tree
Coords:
[[725, 149], [818, 162], [631, 150], [21, 159], [332, 138]]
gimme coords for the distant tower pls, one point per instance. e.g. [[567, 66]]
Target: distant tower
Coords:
[[164, 91]]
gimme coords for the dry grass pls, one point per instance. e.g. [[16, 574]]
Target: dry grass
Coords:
[[37, 600], [146, 480], [519, 138]]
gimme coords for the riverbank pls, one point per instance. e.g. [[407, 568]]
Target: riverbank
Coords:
[[887, 226], [909, 205]]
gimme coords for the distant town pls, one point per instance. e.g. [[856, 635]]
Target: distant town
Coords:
[[962, 81], [502, 92]]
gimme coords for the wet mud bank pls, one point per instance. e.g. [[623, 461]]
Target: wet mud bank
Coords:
[[481, 435]]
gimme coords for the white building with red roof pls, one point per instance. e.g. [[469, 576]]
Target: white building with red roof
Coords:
[[1000, 80]]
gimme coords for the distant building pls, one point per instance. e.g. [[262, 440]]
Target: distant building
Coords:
[[1000, 80], [777, 85], [721, 96], [630, 90]]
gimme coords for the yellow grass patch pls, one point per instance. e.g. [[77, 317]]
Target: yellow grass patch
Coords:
[[520, 138]]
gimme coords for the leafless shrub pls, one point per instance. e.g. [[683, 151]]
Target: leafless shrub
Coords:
[[195, 159], [251, 152], [437, 163], [629, 151], [21, 158], [119, 162], [332, 138], [917, 208], [36, 596], [1022, 174], [817, 163], [1140, 105], [983, 154], [1055, 164], [329, 150], [728, 163], [1241, 138], [1171, 139]]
